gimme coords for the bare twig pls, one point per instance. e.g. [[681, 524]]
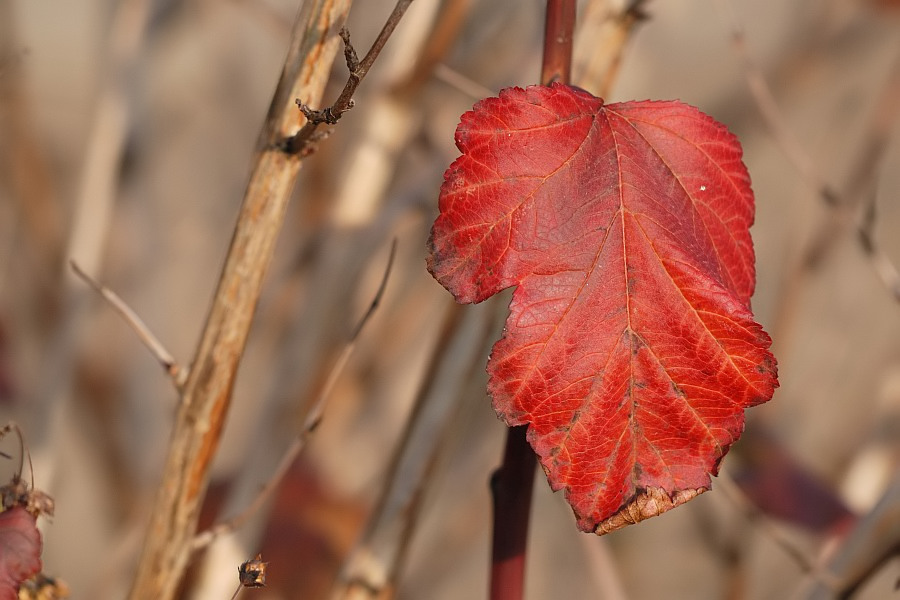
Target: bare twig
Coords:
[[883, 265], [313, 418], [302, 141], [206, 395], [143, 332], [774, 119]]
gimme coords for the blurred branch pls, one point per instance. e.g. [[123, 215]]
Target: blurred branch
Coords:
[[753, 514], [883, 265], [313, 418], [134, 321], [603, 32], [206, 394], [371, 570], [862, 184], [460, 82], [872, 541]]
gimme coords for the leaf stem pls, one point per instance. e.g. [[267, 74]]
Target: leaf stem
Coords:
[[511, 488], [512, 483], [558, 30]]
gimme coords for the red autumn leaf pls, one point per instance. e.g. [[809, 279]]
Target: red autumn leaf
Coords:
[[20, 550], [630, 349]]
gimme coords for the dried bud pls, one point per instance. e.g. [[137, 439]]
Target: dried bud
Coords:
[[253, 572]]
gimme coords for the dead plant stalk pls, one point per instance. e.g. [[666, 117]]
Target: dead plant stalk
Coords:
[[206, 395]]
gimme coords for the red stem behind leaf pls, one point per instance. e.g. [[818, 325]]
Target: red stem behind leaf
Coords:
[[512, 483], [558, 31], [511, 488]]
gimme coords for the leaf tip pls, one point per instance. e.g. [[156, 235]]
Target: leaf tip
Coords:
[[647, 503]]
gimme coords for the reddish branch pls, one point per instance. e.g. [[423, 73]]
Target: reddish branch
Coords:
[[511, 488], [558, 31], [512, 484]]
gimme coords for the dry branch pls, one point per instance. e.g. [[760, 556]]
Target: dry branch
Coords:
[[207, 391], [366, 171], [872, 541], [603, 32]]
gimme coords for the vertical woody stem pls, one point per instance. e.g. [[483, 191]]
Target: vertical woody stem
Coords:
[[512, 483], [206, 394]]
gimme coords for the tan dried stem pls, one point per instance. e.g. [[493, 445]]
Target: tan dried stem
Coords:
[[143, 332], [206, 394], [604, 30], [365, 171]]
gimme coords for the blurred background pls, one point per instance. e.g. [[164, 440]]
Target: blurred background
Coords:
[[126, 136]]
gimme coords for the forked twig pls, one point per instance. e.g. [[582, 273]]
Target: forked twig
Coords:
[[312, 421], [302, 142], [143, 332]]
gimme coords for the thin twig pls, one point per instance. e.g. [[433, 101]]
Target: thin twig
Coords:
[[772, 115], [313, 419], [871, 542], [301, 142], [372, 568], [143, 332], [237, 591]]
